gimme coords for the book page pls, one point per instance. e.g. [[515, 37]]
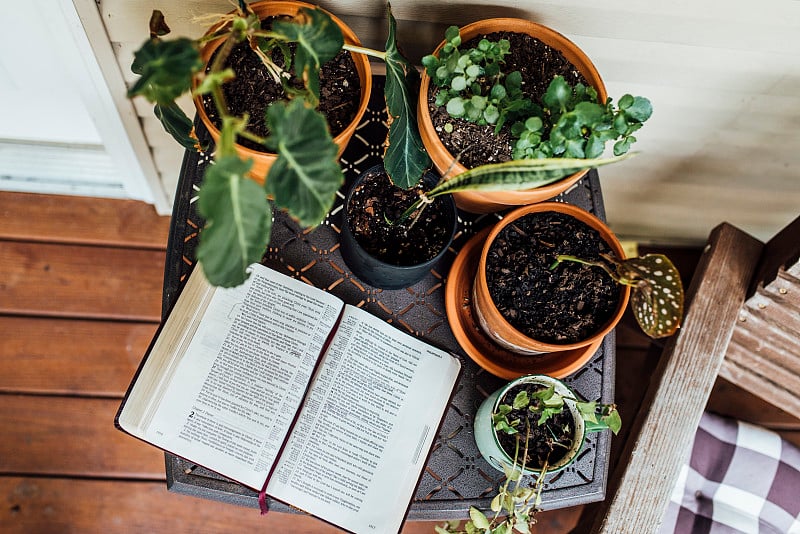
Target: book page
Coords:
[[363, 435], [234, 393]]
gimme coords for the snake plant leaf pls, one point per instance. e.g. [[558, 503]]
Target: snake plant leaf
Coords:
[[318, 40], [518, 174], [178, 125], [406, 159], [305, 177], [657, 293], [238, 221], [165, 69]]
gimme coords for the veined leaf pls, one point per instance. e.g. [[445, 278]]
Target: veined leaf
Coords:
[[406, 159], [306, 175], [165, 69], [178, 125], [478, 518], [238, 221], [518, 174], [318, 40]]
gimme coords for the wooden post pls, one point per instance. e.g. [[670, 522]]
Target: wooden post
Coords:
[[641, 485]]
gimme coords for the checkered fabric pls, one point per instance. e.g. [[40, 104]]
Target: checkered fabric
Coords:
[[740, 479]]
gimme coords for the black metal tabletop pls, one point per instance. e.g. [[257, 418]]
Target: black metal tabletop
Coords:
[[455, 477]]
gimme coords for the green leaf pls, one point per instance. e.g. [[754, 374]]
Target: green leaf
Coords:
[[517, 174], [640, 110], [305, 177], [558, 94], [165, 68], [613, 420], [318, 40], [497, 503], [502, 528], [238, 221], [521, 400], [405, 159], [478, 518], [544, 393], [587, 410], [177, 124]]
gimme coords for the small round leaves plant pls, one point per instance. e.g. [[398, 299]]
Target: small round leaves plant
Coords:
[[569, 121]]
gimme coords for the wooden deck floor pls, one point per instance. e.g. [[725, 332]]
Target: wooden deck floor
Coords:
[[80, 294]]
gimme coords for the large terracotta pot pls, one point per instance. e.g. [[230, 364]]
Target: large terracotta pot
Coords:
[[492, 322], [445, 162], [262, 161]]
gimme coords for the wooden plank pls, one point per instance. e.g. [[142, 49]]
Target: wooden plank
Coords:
[[35, 505], [70, 436], [71, 357], [640, 487], [71, 219], [80, 281]]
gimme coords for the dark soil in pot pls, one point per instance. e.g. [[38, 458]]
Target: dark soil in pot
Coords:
[[548, 442], [253, 90], [375, 205], [560, 306], [538, 63]]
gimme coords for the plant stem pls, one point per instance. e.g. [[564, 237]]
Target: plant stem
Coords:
[[366, 51]]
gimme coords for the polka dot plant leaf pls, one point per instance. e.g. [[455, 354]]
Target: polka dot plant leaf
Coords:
[[657, 293]]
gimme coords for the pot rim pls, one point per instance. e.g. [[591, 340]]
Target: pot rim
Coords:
[[511, 335], [580, 427], [265, 8]]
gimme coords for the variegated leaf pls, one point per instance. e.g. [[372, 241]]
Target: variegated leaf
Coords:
[[657, 296]]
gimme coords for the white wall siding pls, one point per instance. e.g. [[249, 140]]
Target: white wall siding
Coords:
[[724, 78]]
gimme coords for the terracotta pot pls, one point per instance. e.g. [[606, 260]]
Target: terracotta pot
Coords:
[[445, 162], [486, 435], [492, 321], [262, 161]]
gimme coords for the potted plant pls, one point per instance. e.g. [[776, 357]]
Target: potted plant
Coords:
[[483, 101], [534, 425], [384, 251], [553, 278], [304, 177]]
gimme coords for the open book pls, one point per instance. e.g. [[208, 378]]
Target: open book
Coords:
[[282, 387]]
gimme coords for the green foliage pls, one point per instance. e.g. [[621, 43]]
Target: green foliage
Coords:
[[568, 122], [656, 289], [318, 40], [406, 159], [546, 402], [306, 176], [472, 84], [579, 126]]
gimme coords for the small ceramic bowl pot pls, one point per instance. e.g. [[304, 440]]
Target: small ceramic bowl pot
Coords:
[[486, 435]]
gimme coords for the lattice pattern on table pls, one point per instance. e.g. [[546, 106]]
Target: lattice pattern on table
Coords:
[[455, 476]]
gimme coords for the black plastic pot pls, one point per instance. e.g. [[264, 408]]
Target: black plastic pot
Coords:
[[374, 270]]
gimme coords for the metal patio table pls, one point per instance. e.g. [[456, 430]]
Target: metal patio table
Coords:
[[456, 476]]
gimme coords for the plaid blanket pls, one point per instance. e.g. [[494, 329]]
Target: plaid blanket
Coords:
[[740, 478]]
